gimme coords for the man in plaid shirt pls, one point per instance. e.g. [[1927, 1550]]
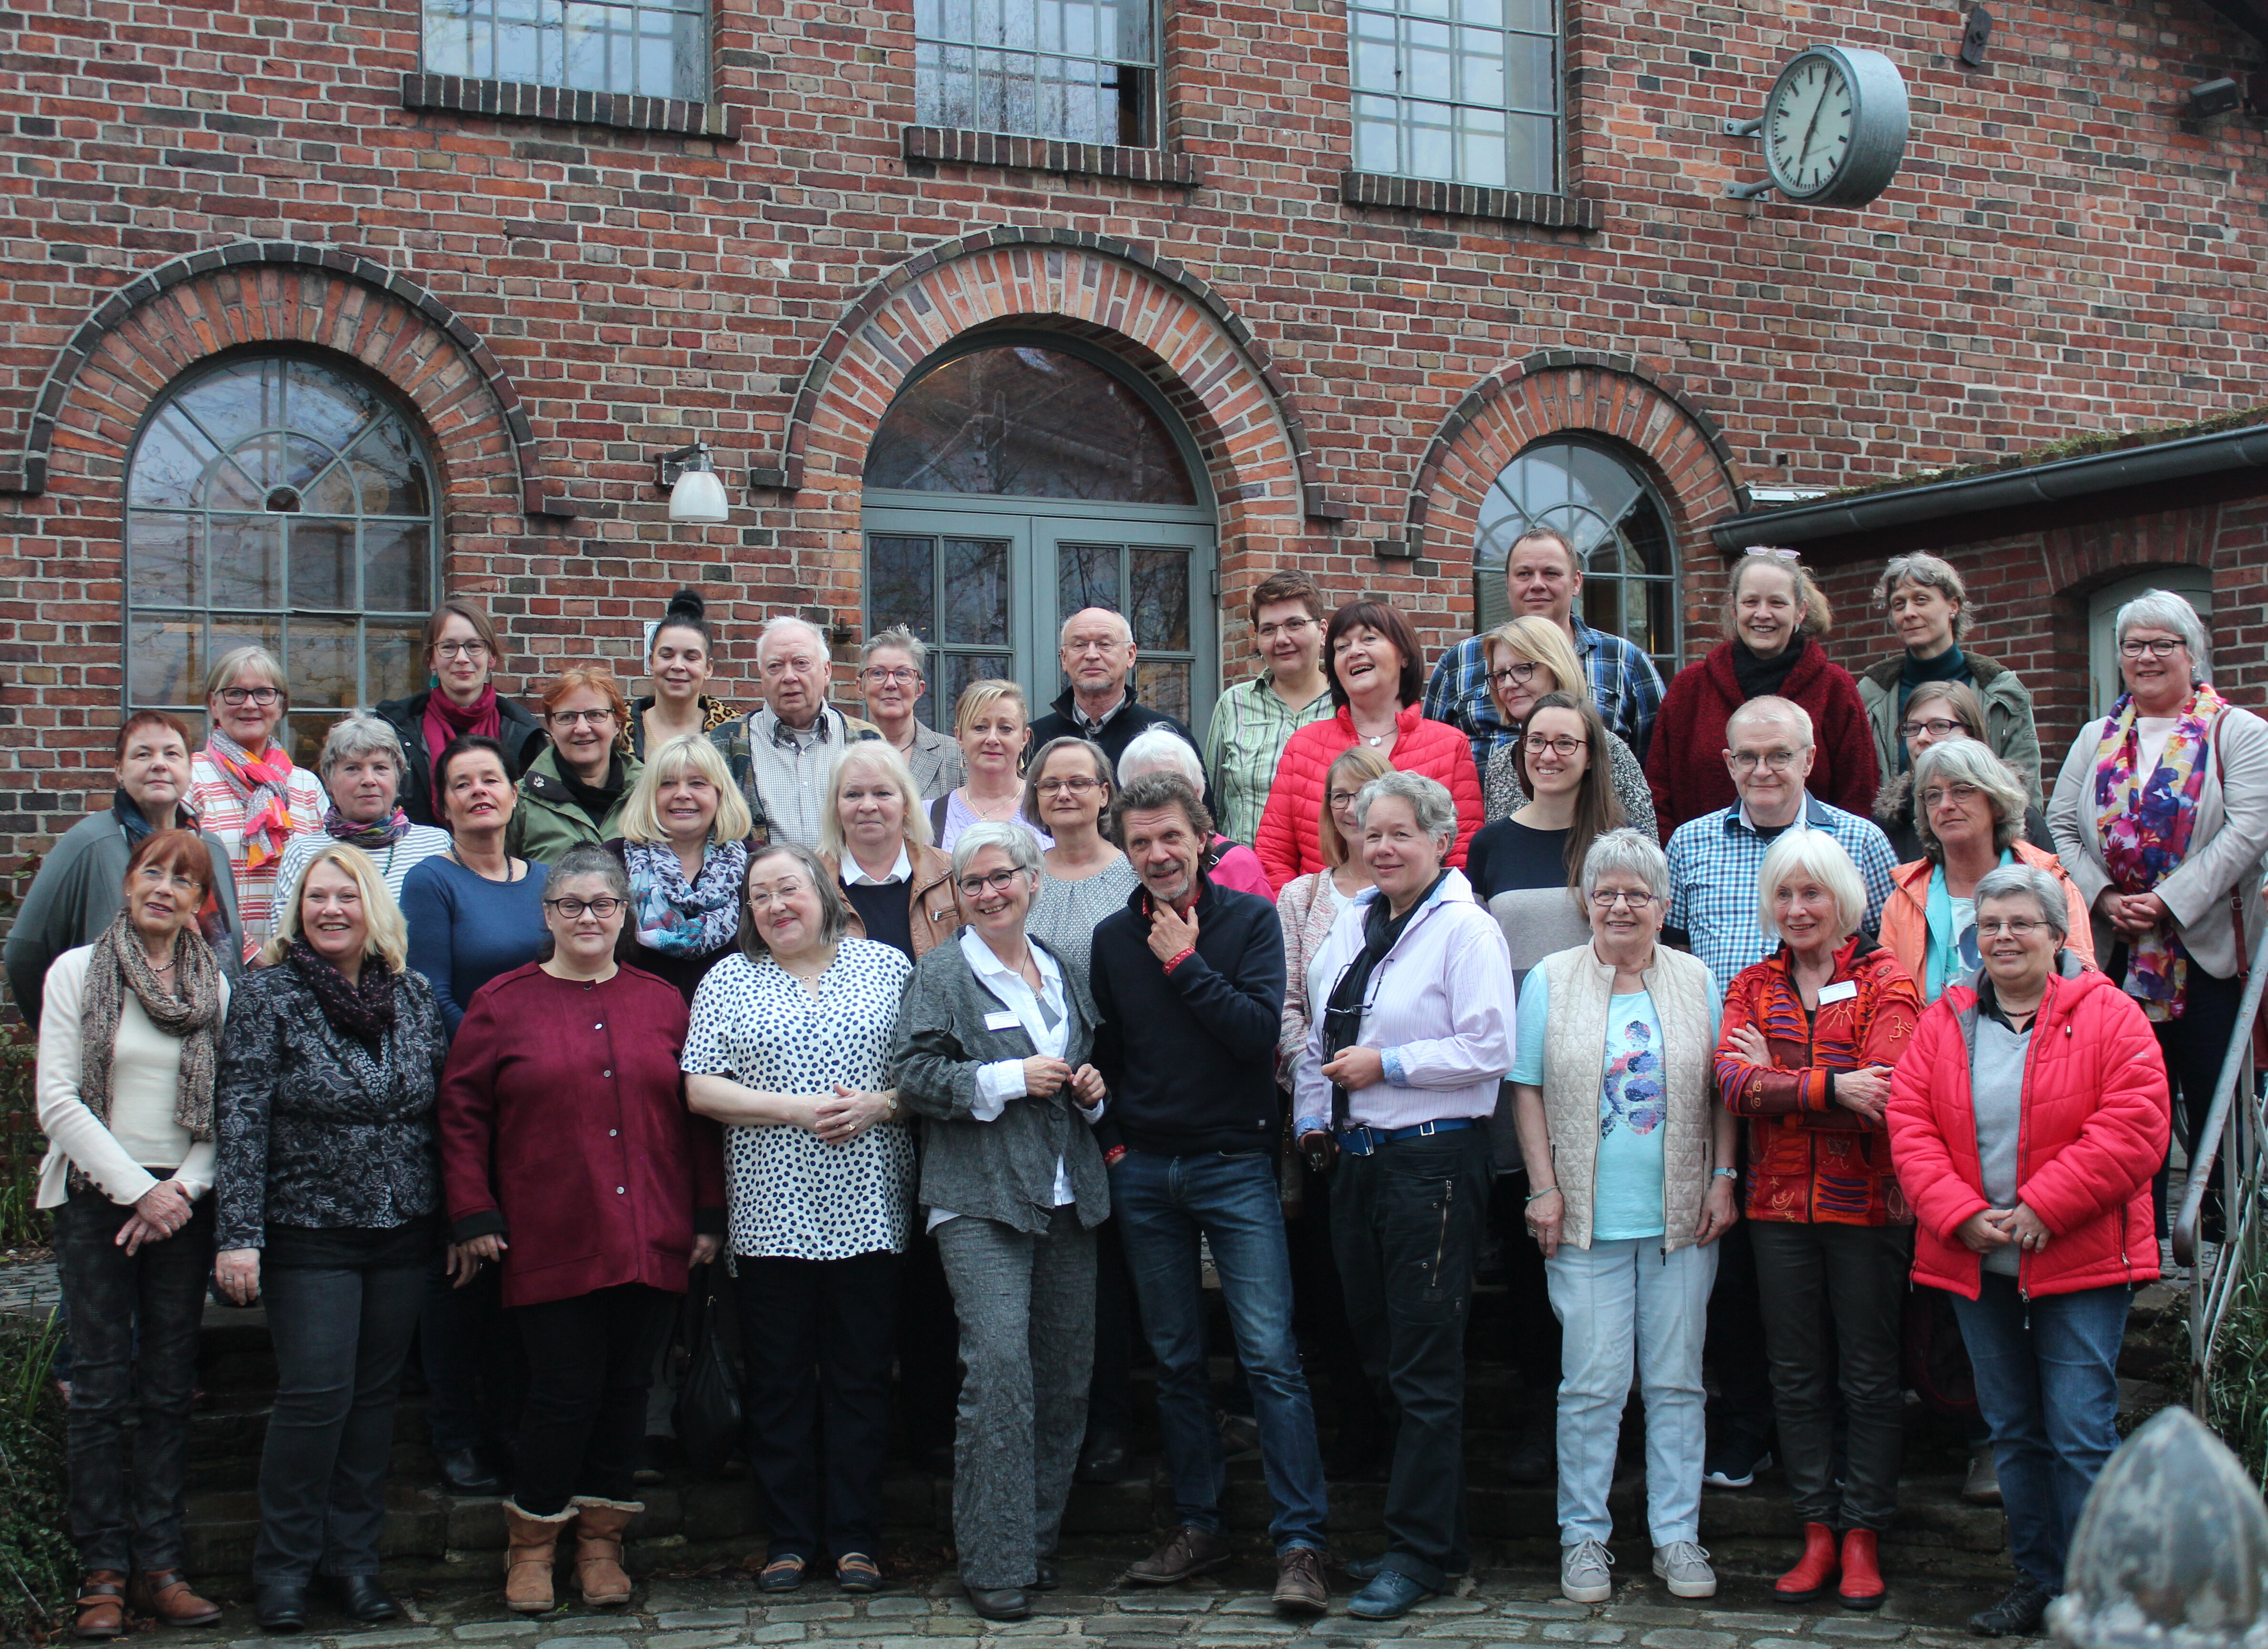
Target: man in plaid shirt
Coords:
[[1543, 577]]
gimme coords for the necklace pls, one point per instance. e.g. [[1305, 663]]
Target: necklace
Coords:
[[457, 859], [993, 808]]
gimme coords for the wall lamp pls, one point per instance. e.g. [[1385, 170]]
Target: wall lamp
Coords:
[[696, 495], [2209, 97]]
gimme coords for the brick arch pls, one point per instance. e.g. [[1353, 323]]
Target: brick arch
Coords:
[[2080, 558]]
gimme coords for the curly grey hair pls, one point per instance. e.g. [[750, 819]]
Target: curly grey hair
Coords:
[[358, 735], [1021, 847], [1429, 800], [2022, 881], [1967, 762], [1626, 852], [2162, 609]]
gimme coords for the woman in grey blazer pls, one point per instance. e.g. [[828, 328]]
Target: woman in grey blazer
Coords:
[[991, 1053]]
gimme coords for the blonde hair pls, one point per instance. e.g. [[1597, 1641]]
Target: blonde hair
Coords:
[[236, 661], [879, 757], [1541, 642], [981, 695], [1813, 616], [387, 934], [641, 819], [1359, 759]]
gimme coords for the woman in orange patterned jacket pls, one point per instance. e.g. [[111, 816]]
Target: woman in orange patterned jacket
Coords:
[[1809, 1036]]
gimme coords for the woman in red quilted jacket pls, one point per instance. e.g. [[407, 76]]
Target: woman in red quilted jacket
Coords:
[[2025, 1120], [1378, 681]]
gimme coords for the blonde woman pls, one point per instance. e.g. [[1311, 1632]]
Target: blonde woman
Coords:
[[1528, 657], [684, 846], [993, 726], [876, 841], [330, 1209]]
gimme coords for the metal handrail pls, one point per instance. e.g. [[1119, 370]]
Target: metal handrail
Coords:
[[2229, 1143]]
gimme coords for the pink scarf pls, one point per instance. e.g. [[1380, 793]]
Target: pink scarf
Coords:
[[445, 724], [265, 782]]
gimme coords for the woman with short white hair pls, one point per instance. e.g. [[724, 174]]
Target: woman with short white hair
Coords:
[[1161, 750], [1809, 1037], [362, 767]]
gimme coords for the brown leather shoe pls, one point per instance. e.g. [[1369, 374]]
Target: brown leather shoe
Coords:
[[598, 1526], [1299, 1584], [531, 1549], [1189, 1551], [101, 1606], [164, 1595]]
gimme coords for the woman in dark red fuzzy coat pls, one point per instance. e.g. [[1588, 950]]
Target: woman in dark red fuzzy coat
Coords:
[[1775, 619]]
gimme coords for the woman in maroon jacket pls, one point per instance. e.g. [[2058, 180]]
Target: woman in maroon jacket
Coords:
[[569, 1158], [1772, 626]]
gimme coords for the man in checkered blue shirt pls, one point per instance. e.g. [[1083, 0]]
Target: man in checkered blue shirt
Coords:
[[1542, 576]]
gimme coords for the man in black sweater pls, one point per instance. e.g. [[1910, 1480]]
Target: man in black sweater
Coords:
[[1098, 654], [1189, 994]]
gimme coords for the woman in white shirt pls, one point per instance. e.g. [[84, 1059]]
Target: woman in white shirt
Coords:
[[128, 1038]]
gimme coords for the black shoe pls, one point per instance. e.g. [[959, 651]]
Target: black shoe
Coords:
[[1049, 1580], [363, 1597], [2017, 1615], [281, 1605], [1105, 1459], [1008, 1603], [465, 1472], [1734, 1463]]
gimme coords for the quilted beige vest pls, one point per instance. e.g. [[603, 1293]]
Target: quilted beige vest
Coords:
[[1575, 1064]]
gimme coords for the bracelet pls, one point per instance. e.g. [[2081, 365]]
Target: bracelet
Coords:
[[1179, 958], [1725, 1173], [1549, 1190]]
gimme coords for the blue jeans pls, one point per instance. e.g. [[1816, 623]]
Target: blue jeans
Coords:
[[2047, 1378], [1164, 1206]]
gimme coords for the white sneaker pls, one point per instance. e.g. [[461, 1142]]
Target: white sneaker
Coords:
[[1583, 1577], [1684, 1567]]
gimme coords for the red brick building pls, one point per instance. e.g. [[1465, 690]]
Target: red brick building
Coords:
[[312, 312]]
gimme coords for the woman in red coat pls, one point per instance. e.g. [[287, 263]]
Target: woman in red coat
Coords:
[[1772, 626], [1374, 663], [570, 1157], [2026, 1119]]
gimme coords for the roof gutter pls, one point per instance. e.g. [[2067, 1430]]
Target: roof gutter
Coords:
[[2161, 465]]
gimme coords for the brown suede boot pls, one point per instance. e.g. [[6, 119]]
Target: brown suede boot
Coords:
[[101, 1606], [531, 1547], [598, 1526], [164, 1595]]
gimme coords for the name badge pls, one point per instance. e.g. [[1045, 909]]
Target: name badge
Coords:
[[1004, 1020], [1841, 990]]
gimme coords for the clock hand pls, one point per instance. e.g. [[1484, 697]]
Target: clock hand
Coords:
[[1803, 150]]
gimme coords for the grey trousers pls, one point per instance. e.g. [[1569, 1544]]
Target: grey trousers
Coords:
[[1026, 1310]]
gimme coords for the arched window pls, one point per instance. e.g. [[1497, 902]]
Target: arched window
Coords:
[[1588, 491], [282, 500]]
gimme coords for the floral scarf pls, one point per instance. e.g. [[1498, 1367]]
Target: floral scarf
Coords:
[[682, 919], [2144, 821], [369, 837], [187, 1006], [264, 781]]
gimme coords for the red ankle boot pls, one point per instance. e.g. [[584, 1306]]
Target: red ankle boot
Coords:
[[1862, 1570], [1813, 1571]]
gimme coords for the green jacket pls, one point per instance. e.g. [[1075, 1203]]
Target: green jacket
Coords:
[[546, 822], [2008, 725]]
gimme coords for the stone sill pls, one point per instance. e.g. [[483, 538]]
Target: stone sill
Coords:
[[509, 99], [1046, 154], [1463, 200]]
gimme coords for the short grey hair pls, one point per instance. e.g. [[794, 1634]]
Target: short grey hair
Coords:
[[789, 621], [1967, 762], [1626, 852], [2162, 609], [834, 904], [1772, 707], [2015, 881], [903, 639], [358, 735], [1160, 748], [586, 859], [1931, 572], [1820, 856], [1019, 845], [1126, 630], [1428, 798]]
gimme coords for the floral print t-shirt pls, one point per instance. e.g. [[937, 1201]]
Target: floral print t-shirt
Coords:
[[1633, 1103]]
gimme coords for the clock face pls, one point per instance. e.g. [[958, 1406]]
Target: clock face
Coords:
[[1808, 125]]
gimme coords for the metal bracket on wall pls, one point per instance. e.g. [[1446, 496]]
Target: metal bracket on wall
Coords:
[[1746, 191]]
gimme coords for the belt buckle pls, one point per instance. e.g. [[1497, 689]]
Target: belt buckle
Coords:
[[1358, 1141]]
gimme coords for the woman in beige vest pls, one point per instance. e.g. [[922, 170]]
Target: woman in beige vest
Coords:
[[1629, 1184]]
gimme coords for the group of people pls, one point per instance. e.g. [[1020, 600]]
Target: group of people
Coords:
[[487, 1035]]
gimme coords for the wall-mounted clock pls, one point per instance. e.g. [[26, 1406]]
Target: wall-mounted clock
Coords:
[[1834, 128]]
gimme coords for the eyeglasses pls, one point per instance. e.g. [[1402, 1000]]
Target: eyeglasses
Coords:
[[1287, 627], [1937, 796], [1513, 675], [902, 675], [1076, 786], [1564, 747], [262, 696], [2014, 927], [1776, 553], [1771, 761], [1605, 900], [763, 898], [1343, 798], [461, 649], [1080, 645], [1936, 726], [998, 882], [573, 908], [154, 874], [580, 717], [2156, 649]]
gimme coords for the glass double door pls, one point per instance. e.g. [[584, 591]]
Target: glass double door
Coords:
[[988, 589]]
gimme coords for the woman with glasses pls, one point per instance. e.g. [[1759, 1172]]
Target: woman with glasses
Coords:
[[1528, 657], [462, 655], [1252, 720], [1809, 1037], [573, 1165], [2160, 815], [681, 659], [789, 1049], [243, 787], [1936, 712], [1774, 618], [1083, 877], [575, 792], [1928, 609], [891, 680]]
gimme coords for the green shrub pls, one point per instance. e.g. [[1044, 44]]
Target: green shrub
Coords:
[[39, 1567], [2238, 1394]]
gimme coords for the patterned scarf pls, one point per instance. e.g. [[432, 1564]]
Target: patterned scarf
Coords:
[[369, 837], [682, 919], [264, 782], [120, 964], [2144, 821], [364, 1008]]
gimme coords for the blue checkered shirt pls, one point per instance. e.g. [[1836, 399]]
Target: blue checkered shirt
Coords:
[[1625, 685], [1713, 861]]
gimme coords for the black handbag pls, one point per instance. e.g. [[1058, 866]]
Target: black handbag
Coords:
[[708, 1411]]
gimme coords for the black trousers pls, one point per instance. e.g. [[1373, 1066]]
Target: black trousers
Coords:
[[122, 1521], [819, 1335], [2194, 1046], [1406, 1225], [929, 1359], [590, 1362], [474, 1367], [1735, 1347], [1319, 1311], [1117, 1332], [1536, 1332]]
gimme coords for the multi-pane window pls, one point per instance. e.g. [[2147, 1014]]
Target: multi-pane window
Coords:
[[1080, 70], [280, 500], [653, 49], [1461, 90]]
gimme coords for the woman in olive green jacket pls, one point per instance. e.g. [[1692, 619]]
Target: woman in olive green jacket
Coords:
[[1928, 609], [575, 791]]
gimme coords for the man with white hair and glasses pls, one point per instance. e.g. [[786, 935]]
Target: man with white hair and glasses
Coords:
[[783, 754], [1097, 653]]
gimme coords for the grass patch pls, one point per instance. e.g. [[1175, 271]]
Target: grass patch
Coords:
[[39, 1567]]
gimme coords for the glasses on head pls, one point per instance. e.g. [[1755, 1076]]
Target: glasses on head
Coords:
[[904, 675], [1287, 627], [1776, 553], [1513, 675], [581, 717], [1564, 747], [261, 695], [461, 649], [2157, 649], [1936, 727], [1607, 899], [1770, 761], [998, 882], [573, 909], [1076, 786], [2014, 927], [1937, 795], [155, 873]]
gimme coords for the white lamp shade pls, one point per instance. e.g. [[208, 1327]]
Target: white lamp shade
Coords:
[[698, 496]]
